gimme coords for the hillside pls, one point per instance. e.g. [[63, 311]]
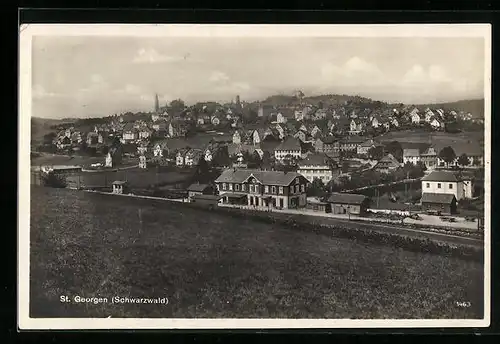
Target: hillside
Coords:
[[42, 126], [104, 245], [474, 106], [326, 99]]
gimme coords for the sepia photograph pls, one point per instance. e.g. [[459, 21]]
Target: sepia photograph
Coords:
[[254, 176]]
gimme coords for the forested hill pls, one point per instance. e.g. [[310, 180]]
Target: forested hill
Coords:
[[474, 106], [326, 99]]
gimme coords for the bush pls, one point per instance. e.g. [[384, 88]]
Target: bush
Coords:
[[53, 180]]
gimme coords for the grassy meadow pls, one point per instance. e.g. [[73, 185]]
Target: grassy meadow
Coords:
[[210, 264]]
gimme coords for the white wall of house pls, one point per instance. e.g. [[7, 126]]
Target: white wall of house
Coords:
[[280, 118], [179, 160], [461, 190], [281, 154], [412, 159], [311, 172]]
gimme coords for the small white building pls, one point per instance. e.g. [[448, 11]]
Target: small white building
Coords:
[[319, 166], [289, 147], [447, 182]]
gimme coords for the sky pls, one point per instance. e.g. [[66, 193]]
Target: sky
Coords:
[[78, 76]]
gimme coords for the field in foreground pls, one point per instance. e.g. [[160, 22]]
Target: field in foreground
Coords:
[[212, 265]]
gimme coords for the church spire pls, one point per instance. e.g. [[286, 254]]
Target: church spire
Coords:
[[157, 103]]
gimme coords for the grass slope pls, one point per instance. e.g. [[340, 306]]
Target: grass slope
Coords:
[[96, 245]]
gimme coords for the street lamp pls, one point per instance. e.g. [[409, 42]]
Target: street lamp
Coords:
[[349, 211]]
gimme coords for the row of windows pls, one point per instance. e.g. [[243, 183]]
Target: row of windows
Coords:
[[428, 185], [256, 188]]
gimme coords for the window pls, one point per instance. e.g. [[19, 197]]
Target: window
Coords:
[[243, 187], [237, 187], [273, 189], [302, 188], [281, 190], [251, 188], [296, 188], [296, 180], [427, 185], [224, 186], [230, 186], [266, 189], [450, 186], [439, 185]]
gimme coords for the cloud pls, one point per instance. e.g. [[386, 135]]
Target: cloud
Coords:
[[150, 55], [39, 92], [218, 77], [418, 75], [353, 71]]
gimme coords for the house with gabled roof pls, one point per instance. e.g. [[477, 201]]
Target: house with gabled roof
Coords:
[[262, 189], [448, 182], [365, 146], [320, 166], [436, 123], [429, 115], [347, 203], [289, 147], [387, 164]]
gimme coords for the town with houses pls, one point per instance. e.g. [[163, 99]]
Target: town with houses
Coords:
[[327, 156]]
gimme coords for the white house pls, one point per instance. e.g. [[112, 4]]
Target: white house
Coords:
[[289, 147], [436, 124], [159, 148], [429, 115], [142, 161], [415, 117], [237, 137], [446, 182], [411, 155], [299, 115], [280, 118], [318, 166]]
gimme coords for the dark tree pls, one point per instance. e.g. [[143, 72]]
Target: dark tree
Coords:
[[345, 167], [53, 180], [395, 149], [447, 154], [463, 160], [202, 174], [316, 188], [48, 138], [376, 153]]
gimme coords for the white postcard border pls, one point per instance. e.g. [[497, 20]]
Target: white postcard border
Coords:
[[194, 30]]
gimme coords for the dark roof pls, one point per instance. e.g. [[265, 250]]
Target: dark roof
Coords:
[[290, 143], [317, 159], [207, 197], [437, 198], [198, 187], [388, 205], [265, 177], [354, 139], [441, 176], [346, 198]]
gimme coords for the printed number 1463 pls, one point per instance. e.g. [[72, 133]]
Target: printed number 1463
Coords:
[[463, 304]]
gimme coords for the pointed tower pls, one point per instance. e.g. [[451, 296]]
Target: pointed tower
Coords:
[[157, 104]]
